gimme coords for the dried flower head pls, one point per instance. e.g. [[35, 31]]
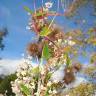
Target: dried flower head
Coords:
[[48, 4], [69, 75], [34, 50]]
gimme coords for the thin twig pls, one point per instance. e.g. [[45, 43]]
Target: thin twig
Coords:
[[54, 16], [52, 41]]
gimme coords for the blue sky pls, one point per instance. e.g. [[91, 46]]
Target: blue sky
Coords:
[[15, 18]]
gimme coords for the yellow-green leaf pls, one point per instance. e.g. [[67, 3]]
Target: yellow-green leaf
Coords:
[[45, 31], [28, 9], [25, 90], [46, 52]]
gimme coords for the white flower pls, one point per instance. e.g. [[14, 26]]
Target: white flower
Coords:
[[29, 13], [45, 18], [32, 85], [56, 81], [45, 9], [50, 91], [59, 40], [23, 73], [36, 94], [48, 4], [28, 27], [49, 83], [43, 88], [19, 82], [18, 71], [18, 74], [67, 95], [24, 65], [70, 37], [54, 91], [29, 57], [65, 41], [71, 43], [15, 89], [16, 81], [50, 43], [25, 78]]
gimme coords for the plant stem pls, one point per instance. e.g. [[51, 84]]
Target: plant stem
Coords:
[[51, 41]]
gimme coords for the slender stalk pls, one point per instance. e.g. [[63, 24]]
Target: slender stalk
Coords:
[[52, 41], [54, 16], [39, 77], [41, 61]]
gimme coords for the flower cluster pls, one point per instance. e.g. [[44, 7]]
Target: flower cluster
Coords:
[[58, 73], [29, 83], [39, 17], [24, 77]]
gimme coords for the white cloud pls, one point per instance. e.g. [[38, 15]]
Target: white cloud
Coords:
[[8, 66]]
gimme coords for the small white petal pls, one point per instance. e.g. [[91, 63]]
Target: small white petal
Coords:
[[48, 4], [27, 27], [29, 13]]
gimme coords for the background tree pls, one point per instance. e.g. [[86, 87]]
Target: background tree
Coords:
[[3, 33], [73, 6]]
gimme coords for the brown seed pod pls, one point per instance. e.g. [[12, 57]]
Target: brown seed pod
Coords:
[[69, 75], [34, 50], [77, 67], [56, 33]]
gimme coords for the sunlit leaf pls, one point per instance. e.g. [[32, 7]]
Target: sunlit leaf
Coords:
[[68, 61], [90, 31], [47, 93], [46, 52], [35, 70], [28, 9], [67, 49], [48, 76], [40, 14], [93, 58], [25, 90], [45, 31]]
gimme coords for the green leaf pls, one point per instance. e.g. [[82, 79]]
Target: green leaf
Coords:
[[45, 31], [48, 76], [47, 93], [25, 90], [40, 14], [68, 61], [28, 9], [35, 70], [46, 52]]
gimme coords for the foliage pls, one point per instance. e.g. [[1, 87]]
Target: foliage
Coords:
[[82, 90], [93, 58], [46, 52], [5, 85], [90, 71], [25, 90], [27, 9], [3, 33], [45, 31]]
